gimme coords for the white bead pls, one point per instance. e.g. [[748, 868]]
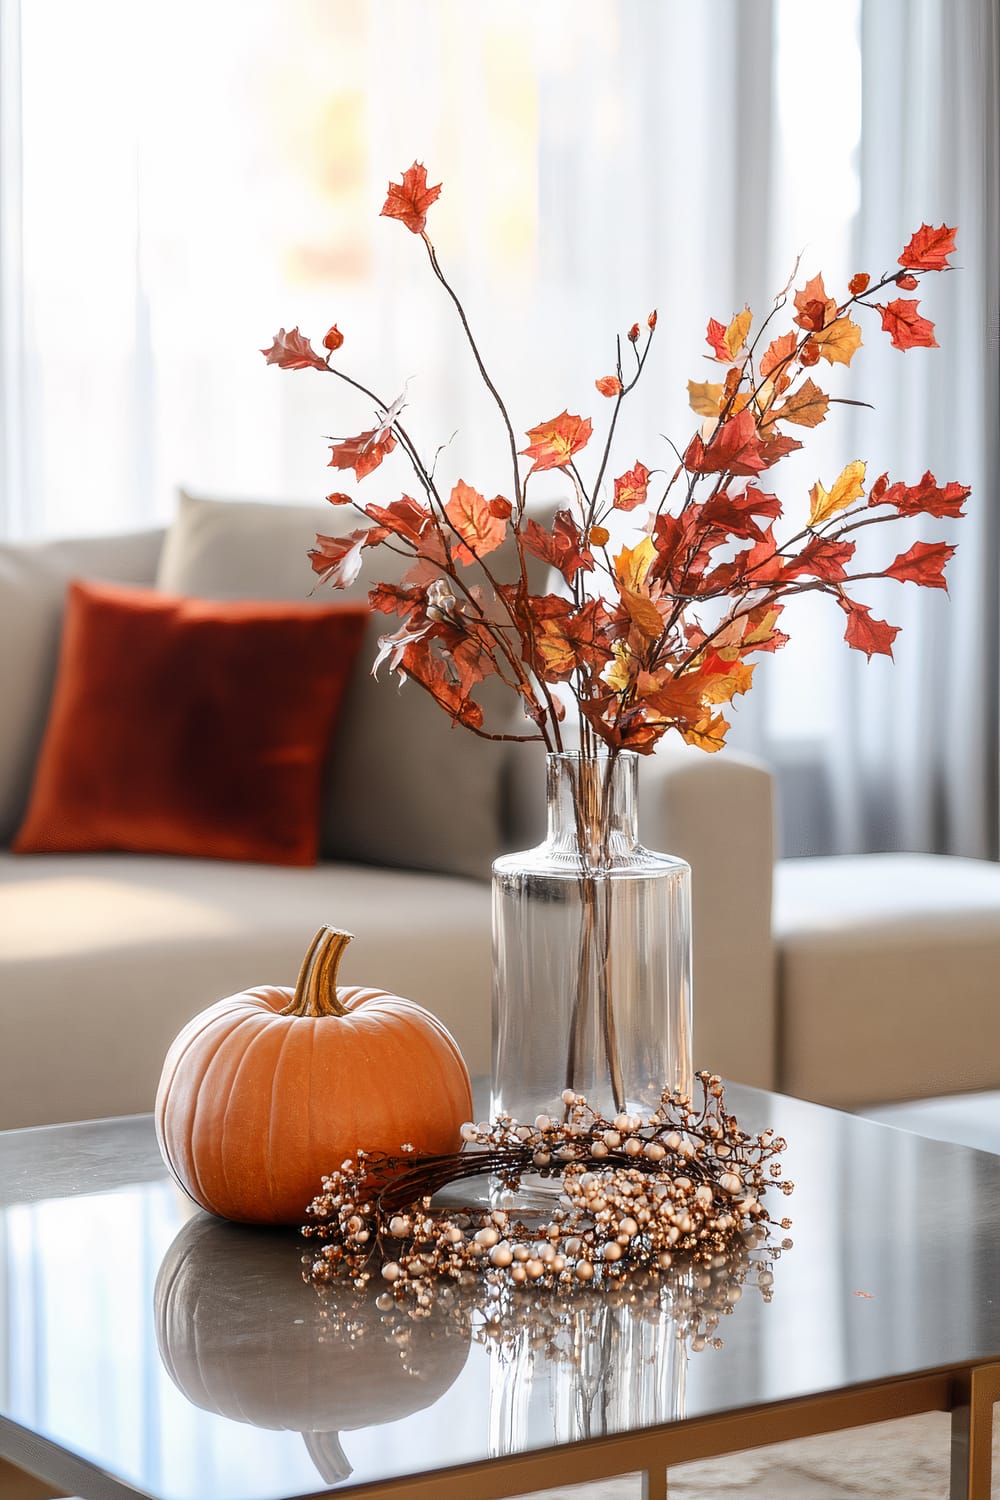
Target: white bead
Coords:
[[487, 1237], [584, 1271], [612, 1251], [399, 1225], [542, 1122], [731, 1182], [391, 1271], [633, 1147], [501, 1255]]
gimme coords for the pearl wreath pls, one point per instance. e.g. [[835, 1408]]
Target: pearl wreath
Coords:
[[638, 1194]]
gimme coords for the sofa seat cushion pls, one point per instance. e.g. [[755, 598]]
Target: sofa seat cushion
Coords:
[[104, 957], [888, 976]]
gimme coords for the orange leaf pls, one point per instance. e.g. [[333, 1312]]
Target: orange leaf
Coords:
[[472, 517], [908, 283], [709, 734], [553, 443], [865, 634], [561, 548], [339, 498], [924, 563], [821, 557], [609, 385], [632, 564], [409, 200], [813, 308], [779, 352], [362, 453], [735, 448], [715, 333], [405, 518], [632, 487], [807, 406], [293, 351], [904, 325], [929, 249], [926, 498], [643, 613]]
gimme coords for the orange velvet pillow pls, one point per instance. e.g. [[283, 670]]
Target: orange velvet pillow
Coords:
[[179, 726]]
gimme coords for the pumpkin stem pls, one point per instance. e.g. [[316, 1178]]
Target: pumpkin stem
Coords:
[[316, 986]]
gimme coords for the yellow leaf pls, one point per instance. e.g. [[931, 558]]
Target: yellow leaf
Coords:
[[760, 633], [632, 564], [839, 342], [704, 397], [848, 487], [618, 673], [643, 613], [709, 734], [735, 335], [722, 687]]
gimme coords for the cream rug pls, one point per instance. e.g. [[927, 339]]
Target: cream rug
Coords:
[[907, 1459]]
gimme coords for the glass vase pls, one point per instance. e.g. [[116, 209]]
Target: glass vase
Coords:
[[591, 954]]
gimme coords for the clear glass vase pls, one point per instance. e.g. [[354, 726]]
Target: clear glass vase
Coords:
[[591, 954]]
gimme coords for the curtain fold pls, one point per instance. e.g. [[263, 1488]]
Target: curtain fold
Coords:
[[915, 759]]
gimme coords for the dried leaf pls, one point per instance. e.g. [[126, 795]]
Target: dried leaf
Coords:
[[632, 487], [928, 249], [481, 530], [735, 448], [554, 443], [813, 308], [904, 325], [293, 351], [778, 353], [806, 407], [705, 397], [362, 453], [873, 637], [839, 341], [410, 199], [924, 563], [562, 547], [926, 498], [848, 487]]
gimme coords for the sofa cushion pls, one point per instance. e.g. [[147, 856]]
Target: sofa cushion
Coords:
[[888, 968], [403, 787], [33, 578], [177, 726], [103, 957]]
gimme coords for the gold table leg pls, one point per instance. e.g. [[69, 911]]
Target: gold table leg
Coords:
[[654, 1485], [972, 1433]]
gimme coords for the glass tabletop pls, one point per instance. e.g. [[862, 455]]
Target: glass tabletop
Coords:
[[185, 1357]]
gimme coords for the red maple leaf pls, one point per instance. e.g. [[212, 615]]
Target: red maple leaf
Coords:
[[734, 514], [924, 563], [362, 453], [904, 325], [775, 447], [609, 385], [734, 448], [928, 249], [873, 637], [926, 498], [472, 516], [293, 351], [715, 333], [632, 487], [553, 443], [410, 199], [822, 557], [405, 518], [562, 547], [395, 599], [421, 663]]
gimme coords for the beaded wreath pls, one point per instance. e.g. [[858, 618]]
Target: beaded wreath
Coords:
[[637, 1194]]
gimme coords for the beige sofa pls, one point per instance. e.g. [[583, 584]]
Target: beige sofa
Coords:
[[104, 956]]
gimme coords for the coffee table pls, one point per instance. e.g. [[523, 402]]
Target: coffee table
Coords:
[[147, 1350]]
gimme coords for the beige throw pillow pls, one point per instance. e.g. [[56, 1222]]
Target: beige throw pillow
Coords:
[[403, 787]]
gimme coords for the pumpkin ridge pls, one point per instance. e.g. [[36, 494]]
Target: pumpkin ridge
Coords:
[[289, 1031], [233, 1092], [217, 1161], [196, 1046]]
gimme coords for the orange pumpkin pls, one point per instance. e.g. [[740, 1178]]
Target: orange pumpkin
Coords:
[[268, 1090]]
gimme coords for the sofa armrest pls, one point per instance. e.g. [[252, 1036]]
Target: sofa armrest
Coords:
[[715, 811]]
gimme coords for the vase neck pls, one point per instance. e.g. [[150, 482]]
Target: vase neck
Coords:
[[592, 804]]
